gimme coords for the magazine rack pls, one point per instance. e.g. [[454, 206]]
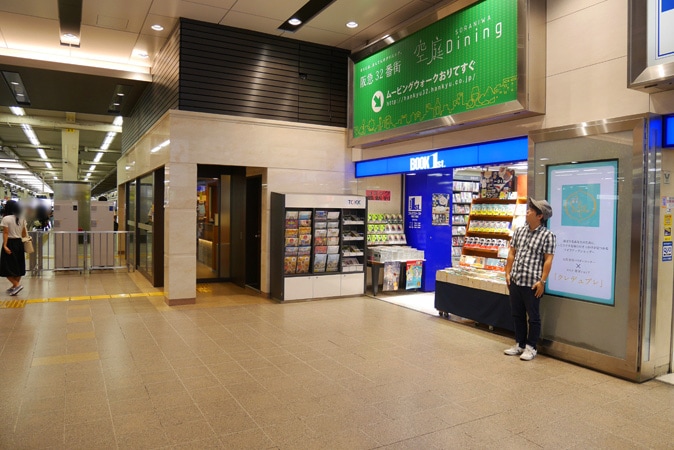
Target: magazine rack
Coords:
[[317, 245]]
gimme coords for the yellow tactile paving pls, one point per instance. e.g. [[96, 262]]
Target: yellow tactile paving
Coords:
[[80, 336], [21, 303], [79, 319], [12, 304], [65, 359]]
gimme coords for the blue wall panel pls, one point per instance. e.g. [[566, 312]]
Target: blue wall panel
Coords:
[[434, 240]]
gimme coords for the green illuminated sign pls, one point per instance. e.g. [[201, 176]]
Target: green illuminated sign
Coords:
[[464, 62]]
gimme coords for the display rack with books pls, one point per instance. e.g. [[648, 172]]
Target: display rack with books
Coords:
[[385, 229], [463, 193], [353, 240], [489, 230], [317, 245]]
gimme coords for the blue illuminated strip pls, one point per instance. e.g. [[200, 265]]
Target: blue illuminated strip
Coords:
[[470, 155], [668, 133]]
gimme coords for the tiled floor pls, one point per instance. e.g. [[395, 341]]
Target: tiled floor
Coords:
[[239, 371]]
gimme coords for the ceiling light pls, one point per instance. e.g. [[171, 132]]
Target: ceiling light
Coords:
[[70, 19], [30, 134], [108, 140], [98, 157], [92, 168], [42, 154], [142, 54], [17, 110], [117, 98], [16, 86], [157, 27], [119, 120], [304, 14], [352, 24], [55, 177], [48, 164]]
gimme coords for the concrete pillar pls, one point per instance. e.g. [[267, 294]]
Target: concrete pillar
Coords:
[[70, 145]]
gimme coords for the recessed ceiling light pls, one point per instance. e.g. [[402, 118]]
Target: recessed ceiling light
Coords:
[[69, 36], [157, 27], [352, 24], [294, 21], [142, 54]]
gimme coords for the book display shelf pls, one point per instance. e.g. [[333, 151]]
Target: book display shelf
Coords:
[[463, 193], [476, 289], [317, 245]]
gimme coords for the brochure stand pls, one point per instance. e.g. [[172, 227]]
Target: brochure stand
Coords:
[[317, 245]]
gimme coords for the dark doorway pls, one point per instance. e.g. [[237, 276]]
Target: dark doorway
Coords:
[[253, 231]]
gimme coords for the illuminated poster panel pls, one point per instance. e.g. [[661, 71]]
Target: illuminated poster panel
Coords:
[[584, 201], [464, 62]]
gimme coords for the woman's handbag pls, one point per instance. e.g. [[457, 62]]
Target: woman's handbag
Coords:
[[28, 245]]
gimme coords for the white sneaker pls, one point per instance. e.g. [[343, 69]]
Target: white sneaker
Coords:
[[514, 350], [528, 354]]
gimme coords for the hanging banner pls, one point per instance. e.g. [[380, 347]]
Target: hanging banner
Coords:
[[584, 202]]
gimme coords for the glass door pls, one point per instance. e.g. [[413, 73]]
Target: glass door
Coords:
[[208, 228]]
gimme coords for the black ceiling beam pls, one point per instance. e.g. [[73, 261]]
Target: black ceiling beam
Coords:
[[305, 14], [70, 19]]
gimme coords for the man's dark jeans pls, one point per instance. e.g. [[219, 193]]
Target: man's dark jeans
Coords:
[[523, 302]]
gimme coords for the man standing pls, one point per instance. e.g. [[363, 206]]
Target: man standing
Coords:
[[527, 268]]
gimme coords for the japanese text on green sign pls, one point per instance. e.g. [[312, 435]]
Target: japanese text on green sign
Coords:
[[461, 63]]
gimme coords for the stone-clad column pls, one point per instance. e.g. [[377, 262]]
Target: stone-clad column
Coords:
[[180, 230]]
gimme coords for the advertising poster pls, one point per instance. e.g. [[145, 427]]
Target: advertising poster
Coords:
[[461, 63], [498, 184], [584, 203], [414, 211], [441, 209], [413, 274], [391, 275], [383, 196]]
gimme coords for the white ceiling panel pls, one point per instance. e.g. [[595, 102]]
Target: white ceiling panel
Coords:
[[270, 9], [130, 12], [36, 8], [197, 11], [117, 46], [251, 22], [30, 33], [335, 17], [324, 37]]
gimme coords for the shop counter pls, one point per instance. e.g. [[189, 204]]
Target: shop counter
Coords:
[[481, 296]]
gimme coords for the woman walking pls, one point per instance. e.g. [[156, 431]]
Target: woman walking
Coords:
[[12, 258]]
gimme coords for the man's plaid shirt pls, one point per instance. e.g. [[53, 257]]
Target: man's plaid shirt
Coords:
[[531, 247]]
